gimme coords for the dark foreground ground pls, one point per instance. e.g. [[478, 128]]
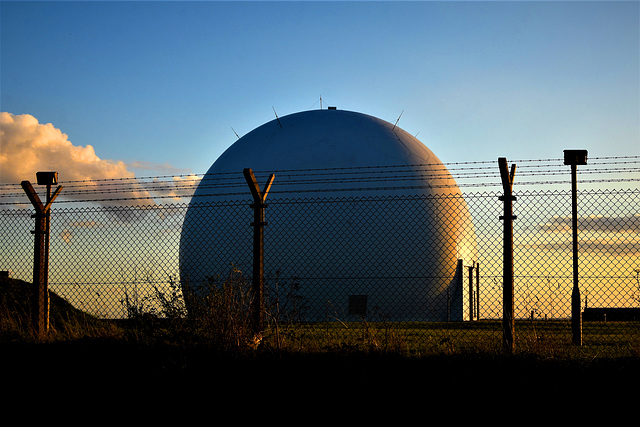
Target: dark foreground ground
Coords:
[[94, 366], [112, 381]]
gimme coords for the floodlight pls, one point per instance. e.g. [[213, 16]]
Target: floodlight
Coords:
[[575, 157], [47, 178]]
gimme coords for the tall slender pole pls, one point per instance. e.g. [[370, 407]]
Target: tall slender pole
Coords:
[[576, 324], [507, 251], [471, 299], [258, 224], [576, 316], [575, 158], [40, 304], [477, 291]]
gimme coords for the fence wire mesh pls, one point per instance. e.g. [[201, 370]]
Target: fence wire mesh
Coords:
[[379, 266]]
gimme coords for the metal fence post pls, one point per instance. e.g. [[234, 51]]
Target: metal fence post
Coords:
[[40, 304], [478, 291], [507, 248], [575, 158], [258, 224], [471, 298]]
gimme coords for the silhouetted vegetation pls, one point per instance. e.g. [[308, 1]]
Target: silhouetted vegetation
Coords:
[[66, 322]]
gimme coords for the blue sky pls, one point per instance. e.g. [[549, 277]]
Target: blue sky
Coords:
[[167, 83]]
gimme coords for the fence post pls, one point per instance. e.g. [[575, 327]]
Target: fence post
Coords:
[[40, 304], [575, 158], [258, 224], [471, 298], [478, 291], [507, 250], [459, 292]]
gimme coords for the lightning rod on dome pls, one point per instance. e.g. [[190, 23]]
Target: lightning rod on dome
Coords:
[[277, 118], [394, 125], [234, 131]]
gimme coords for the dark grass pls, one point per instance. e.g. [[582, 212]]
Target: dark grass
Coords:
[[101, 364], [84, 354]]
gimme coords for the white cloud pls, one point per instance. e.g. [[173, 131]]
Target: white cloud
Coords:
[[29, 146]]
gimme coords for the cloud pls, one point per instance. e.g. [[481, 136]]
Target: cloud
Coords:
[[177, 188], [629, 248], [29, 146], [85, 224], [163, 167], [595, 223], [67, 234], [613, 235]]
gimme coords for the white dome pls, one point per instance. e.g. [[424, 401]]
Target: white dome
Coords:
[[326, 139], [408, 248]]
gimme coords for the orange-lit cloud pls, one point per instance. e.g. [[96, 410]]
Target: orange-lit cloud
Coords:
[[85, 224], [612, 235], [629, 248], [67, 234], [594, 223], [29, 146]]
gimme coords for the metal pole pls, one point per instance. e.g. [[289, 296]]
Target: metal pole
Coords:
[[575, 158], [507, 250], [459, 291], [471, 299], [576, 315], [478, 290], [258, 224]]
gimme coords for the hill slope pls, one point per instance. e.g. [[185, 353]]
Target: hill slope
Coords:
[[16, 305]]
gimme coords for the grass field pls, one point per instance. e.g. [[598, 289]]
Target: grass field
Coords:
[[543, 338]]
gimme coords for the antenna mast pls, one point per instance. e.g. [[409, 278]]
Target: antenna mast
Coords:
[[277, 118], [394, 125]]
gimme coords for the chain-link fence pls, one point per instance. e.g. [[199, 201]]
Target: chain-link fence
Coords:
[[398, 267]]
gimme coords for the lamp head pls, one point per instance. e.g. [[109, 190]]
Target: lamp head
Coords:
[[575, 157], [47, 178]]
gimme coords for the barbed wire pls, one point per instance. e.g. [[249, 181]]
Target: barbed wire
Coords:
[[480, 174], [444, 167]]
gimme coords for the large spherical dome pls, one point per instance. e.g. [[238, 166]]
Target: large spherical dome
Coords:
[[395, 243], [326, 139]]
